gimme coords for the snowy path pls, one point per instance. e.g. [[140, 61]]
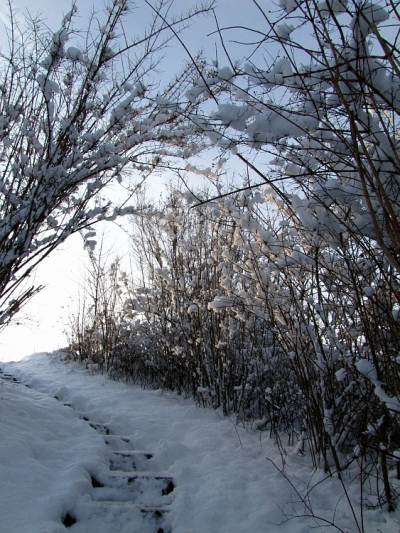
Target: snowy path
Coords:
[[177, 467], [126, 489], [126, 496]]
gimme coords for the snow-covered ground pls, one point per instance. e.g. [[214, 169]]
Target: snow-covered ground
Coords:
[[223, 474]]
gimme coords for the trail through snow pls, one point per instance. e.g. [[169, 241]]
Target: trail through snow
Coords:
[[224, 480]]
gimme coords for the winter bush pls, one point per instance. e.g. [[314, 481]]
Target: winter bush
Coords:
[[281, 303]]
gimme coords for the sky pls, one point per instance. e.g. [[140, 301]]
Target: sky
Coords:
[[42, 323]]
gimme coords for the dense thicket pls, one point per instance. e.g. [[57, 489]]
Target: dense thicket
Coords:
[[282, 305]]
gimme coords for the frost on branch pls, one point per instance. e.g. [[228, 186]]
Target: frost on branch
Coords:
[[75, 116], [313, 115], [326, 110]]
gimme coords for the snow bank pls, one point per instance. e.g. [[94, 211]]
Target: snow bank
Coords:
[[46, 453]]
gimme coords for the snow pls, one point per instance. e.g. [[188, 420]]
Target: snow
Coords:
[[225, 480], [225, 73], [284, 30], [366, 368], [73, 53], [367, 18], [220, 302], [288, 5], [333, 6]]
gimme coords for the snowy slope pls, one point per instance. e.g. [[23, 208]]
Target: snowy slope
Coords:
[[224, 481]]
